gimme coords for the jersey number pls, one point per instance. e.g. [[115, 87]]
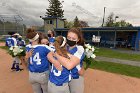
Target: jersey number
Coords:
[[36, 59], [58, 73], [9, 43]]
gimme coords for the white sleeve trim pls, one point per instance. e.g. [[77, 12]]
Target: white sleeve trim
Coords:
[[28, 45], [78, 67], [24, 42], [15, 41], [51, 49], [79, 52]]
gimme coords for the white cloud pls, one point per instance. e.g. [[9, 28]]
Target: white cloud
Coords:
[[30, 10]]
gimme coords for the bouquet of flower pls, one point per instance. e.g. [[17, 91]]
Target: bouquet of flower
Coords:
[[89, 55], [16, 51]]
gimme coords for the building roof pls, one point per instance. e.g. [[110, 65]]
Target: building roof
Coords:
[[46, 18], [104, 29]]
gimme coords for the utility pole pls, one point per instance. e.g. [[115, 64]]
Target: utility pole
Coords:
[[103, 17], [115, 32]]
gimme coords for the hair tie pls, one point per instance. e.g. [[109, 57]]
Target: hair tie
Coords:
[[64, 42], [35, 38]]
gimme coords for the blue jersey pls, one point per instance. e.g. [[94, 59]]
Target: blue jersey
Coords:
[[38, 62], [11, 42], [59, 77], [21, 43], [77, 51], [51, 39], [8, 42]]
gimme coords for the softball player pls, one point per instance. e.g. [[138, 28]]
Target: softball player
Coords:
[[20, 42], [51, 38], [11, 41], [8, 42], [37, 56], [38, 67], [75, 47], [77, 82], [58, 80]]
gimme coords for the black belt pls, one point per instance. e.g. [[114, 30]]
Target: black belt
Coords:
[[38, 72], [59, 84], [76, 77]]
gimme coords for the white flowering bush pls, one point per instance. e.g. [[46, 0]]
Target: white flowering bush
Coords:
[[89, 55], [16, 51]]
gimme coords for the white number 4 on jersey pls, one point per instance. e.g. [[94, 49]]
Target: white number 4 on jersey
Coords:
[[36, 59]]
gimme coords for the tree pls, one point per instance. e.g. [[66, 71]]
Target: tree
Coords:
[[68, 24], [112, 23], [55, 9], [123, 23], [76, 22], [83, 24], [110, 20]]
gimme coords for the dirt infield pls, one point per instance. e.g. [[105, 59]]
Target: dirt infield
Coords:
[[103, 82], [2, 44], [95, 81]]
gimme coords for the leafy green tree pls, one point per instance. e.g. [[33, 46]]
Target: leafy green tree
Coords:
[[83, 24], [76, 22], [55, 9], [68, 24], [111, 22], [123, 23]]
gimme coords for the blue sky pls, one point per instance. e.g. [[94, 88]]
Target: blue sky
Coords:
[[30, 10]]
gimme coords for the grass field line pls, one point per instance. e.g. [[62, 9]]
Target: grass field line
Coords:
[[116, 60]]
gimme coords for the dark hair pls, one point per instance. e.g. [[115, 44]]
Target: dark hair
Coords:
[[42, 36], [11, 33], [78, 32], [60, 50], [31, 33], [53, 33]]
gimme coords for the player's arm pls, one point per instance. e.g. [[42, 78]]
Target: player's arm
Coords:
[[68, 63], [74, 59], [81, 71], [54, 61], [28, 55]]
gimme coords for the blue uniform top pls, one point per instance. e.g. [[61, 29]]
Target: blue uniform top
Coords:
[[51, 39], [59, 77], [38, 62], [77, 51], [8, 42], [11, 41], [21, 43]]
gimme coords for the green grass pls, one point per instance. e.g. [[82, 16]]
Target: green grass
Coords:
[[4, 47], [116, 54], [111, 67], [117, 68], [2, 40]]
